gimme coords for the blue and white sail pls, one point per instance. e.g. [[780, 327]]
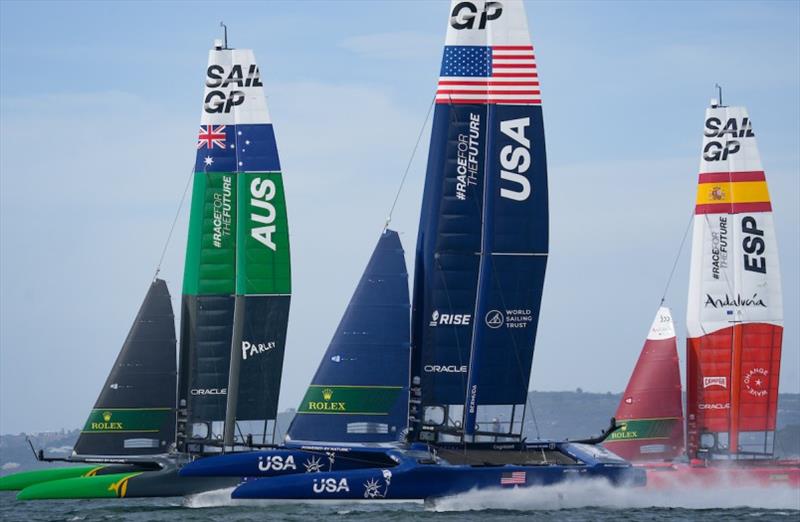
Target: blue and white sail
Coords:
[[483, 236]]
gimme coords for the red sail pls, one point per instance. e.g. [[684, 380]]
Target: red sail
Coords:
[[650, 412], [732, 386]]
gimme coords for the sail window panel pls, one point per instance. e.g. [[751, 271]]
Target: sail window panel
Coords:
[[141, 443], [757, 443], [255, 431], [448, 418], [434, 415], [199, 430], [362, 428], [653, 449], [496, 422]]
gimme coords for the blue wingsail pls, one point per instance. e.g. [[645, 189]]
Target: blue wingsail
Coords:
[[483, 234], [360, 390]]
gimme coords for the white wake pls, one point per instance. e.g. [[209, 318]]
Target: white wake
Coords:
[[599, 493], [567, 495]]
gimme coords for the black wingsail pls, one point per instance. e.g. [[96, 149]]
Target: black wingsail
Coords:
[[135, 412]]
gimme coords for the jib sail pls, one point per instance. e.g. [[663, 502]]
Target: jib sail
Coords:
[[735, 310], [483, 235], [651, 411], [135, 412], [237, 277], [360, 390]]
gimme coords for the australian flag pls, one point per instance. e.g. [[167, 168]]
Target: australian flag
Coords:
[[237, 148]]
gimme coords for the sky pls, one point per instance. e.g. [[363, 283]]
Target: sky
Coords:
[[99, 107]]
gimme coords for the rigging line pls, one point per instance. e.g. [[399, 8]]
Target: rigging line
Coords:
[[677, 258], [408, 166], [174, 222]]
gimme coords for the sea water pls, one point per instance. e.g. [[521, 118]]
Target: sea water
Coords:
[[580, 501]]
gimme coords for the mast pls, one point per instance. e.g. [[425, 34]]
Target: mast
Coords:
[[233, 375]]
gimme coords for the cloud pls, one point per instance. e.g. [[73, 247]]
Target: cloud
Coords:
[[401, 45]]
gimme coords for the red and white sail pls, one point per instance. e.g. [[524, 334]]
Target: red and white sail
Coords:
[[650, 412], [735, 310]]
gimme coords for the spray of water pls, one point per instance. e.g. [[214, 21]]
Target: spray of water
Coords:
[[216, 498], [222, 497], [599, 493], [566, 495]]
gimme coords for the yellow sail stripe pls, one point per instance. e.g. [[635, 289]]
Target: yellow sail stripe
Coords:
[[732, 192]]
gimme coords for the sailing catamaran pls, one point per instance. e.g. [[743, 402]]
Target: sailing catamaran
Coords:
[[480, 263], [235, 309], [734, 330]]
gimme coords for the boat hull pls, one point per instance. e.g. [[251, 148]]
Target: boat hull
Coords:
[[135, 484], [421, 475], [24, 479], [288, 461], [420, 482], [761, 474]]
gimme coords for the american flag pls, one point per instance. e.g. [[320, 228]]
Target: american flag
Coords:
[[211, 136], [503, 74], [515, 477]]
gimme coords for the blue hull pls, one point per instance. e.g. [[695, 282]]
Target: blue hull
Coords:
[[419, 476], [289, 461]]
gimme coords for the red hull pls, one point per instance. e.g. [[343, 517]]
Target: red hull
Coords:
[[664, 475]]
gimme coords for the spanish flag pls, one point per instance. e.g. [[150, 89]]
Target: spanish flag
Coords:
[[732, 193]]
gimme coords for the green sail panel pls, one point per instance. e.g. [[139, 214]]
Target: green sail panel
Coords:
[[350, 400], [211, 249], [263, 265]]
